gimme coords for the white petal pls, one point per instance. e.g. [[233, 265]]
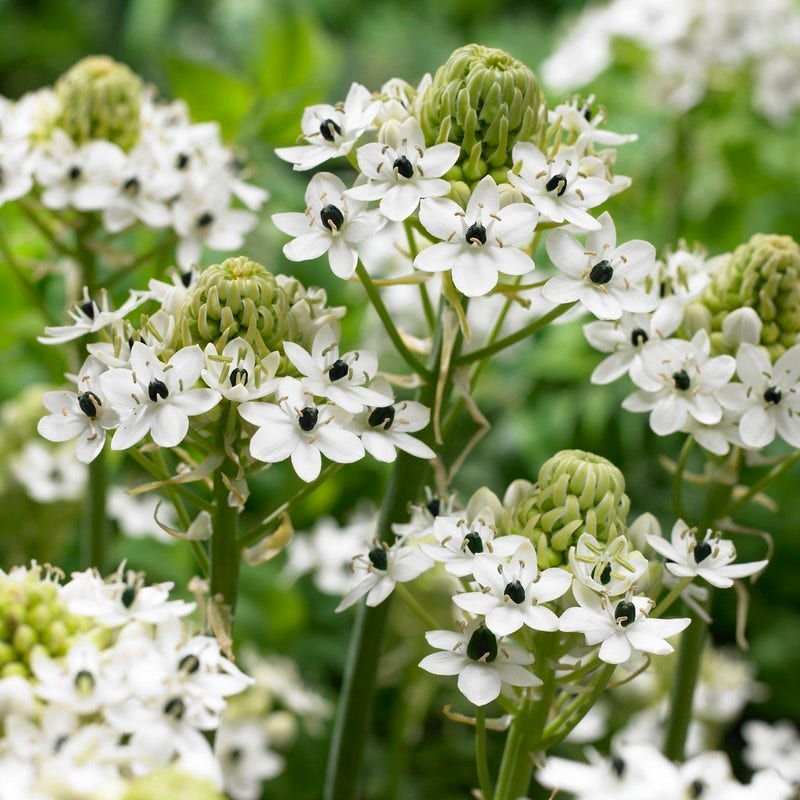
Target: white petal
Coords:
[[479, 683]]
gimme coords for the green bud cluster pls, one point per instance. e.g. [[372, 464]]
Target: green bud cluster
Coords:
[[173, 783], [238, 297], [483, 100], [33, 619], [100, 99], [577, 492], [763, 274]]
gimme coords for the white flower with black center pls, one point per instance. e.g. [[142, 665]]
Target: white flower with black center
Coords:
[[558, 187], [236, 373], [419, 528], [242, 749], [678, 380], [482, 662], [604, 278], [768, 397], [332, 131], [477, 243], [157, 398], [711, 558], [90, 316], [331, 224], [170, 295], [772, 746], [579, 119], [512, 592], [384, 567], [338, 377], [49, 474], [84, 414], [609, 567], [400, 170], [620, 627], [295, 427]]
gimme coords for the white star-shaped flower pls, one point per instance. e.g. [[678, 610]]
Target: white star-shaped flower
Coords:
[[331, 131], [606, 567], [236, 373], [618, 626], [155, 397], [604, 278], [477, 243], [483, 664], [331, 224], [400, 170], [710, 558]]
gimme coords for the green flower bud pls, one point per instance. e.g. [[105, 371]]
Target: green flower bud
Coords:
[[763, 274], [236, 298], [100, 99], [577, 492], [485, 101], [173, 783], [33, 619]]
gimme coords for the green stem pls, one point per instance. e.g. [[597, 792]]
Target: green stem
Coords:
[[484, 781], [677, 478], [427, 306], [517, 336], [94, 530], [762, 483], [669, 599], [414, 604], [377, 303], [32, 213], [225, 561]]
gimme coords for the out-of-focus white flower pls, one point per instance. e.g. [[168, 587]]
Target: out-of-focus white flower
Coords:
[[49, 474]]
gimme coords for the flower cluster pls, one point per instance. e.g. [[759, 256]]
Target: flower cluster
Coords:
[[99, 142], [719, 356], [473, 161], [692, 46], [234, 335], [103, 683]]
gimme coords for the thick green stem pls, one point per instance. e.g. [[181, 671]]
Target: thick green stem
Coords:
[[484, 781], [225, 561], [93, 534]]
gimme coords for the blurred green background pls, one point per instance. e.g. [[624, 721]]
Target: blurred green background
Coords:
[[714, 175]]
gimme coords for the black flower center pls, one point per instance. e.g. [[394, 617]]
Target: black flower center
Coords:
[[382, 417], [605, 575], [602, 272], [239, 376], [128, 596], [701, 551], [189, 664], [205, 220], [308, 418], [696, 788], [482, 645], [403, 167], [474, 542], [182, 161], [235, 755], [327, 128], [476, 234], [434, 505], [331, 217], [515, 592], [617, 766], [84, 683], [175, 708], [88, 402], [74, 173], [557, 184], [377, 557], [186, 279], [638, 336], [132, 186], [157, 388], [88, 309], [338, 370], [681, 380], [773, 395], [625, 613]]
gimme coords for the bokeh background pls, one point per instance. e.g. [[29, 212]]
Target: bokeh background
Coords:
[[714, 175]]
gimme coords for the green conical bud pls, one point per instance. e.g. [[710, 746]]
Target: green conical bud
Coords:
[[236, 298], [173, 783], [100, 99], [485, 101], [577, 492], [763, 274], [33, 619]]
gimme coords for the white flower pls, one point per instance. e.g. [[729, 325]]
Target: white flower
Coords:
[[385, 429], [331, 131], [89, 317], [606, 279], [512, 592], [419, 528], [400, 170], [619, 627], [478, 243], [768, 397], [15, 170], [679, 379], [84, 414], [339, 378], [558, 187], [608, 567], [773, 746], [242, 749], [236, 374], [135, 515], [155, 397], [384, 567], [578, 118], [709, 559], [483, 664], [331, 224], [295, 427], [49, 474]]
